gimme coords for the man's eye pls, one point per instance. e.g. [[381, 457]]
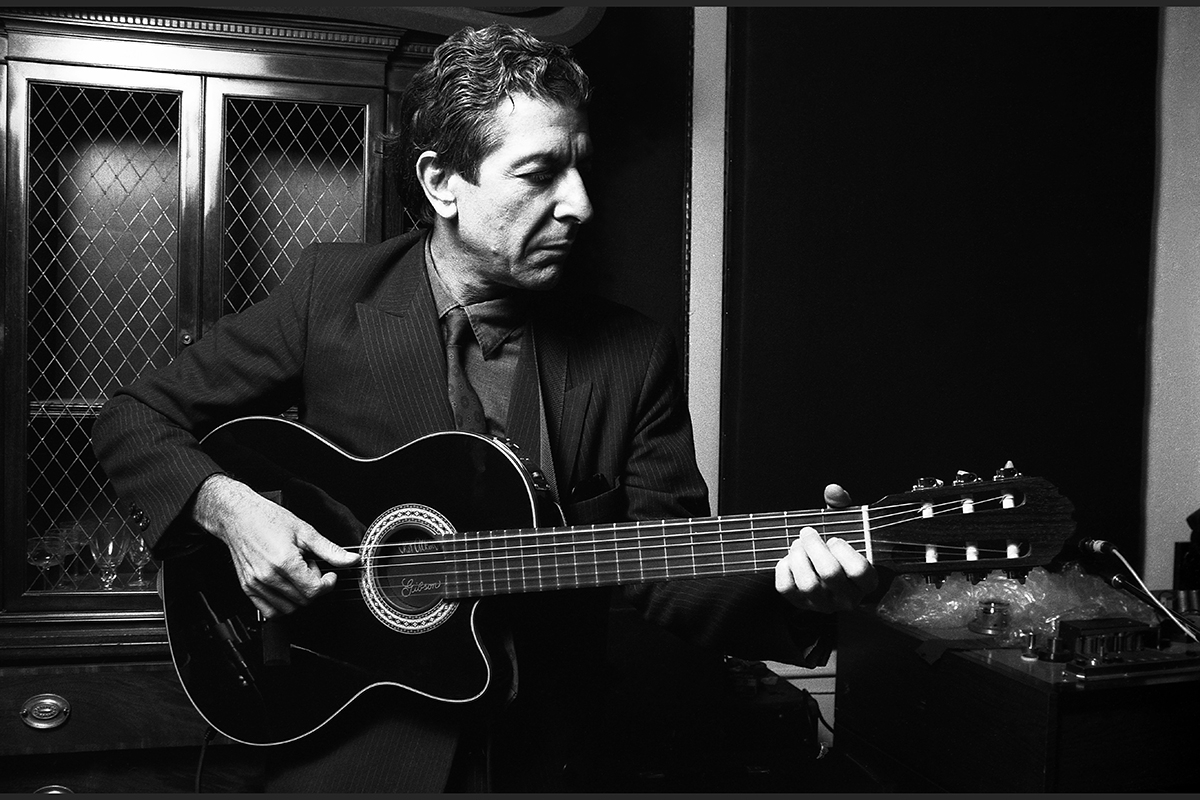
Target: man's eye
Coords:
[[541, 177]]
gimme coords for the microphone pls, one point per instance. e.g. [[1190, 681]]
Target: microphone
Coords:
[[1094, 546], [1119, 581]]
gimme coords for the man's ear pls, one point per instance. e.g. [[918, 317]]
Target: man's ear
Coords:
[[435, 181]]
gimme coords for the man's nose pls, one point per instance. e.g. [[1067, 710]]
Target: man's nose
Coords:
[[574, 203]]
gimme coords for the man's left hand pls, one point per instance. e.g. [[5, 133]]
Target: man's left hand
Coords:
[[825, 576]]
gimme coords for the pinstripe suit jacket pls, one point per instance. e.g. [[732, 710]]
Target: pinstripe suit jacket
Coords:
[[352, 339]]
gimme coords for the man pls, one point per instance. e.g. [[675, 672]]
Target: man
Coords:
[[493, 150]]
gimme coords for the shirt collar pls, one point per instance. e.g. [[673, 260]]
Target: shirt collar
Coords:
[[493, 321]]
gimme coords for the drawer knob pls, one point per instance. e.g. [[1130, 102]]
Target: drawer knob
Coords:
[[45, 711]]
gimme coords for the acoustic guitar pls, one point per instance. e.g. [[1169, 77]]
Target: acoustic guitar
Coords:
[[453, 518]]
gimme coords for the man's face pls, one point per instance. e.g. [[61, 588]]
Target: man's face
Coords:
[[515, 226]]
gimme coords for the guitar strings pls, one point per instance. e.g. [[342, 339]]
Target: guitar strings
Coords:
[[674, 559], [719, 527], [505, 540], [467, 567], [493, 580]]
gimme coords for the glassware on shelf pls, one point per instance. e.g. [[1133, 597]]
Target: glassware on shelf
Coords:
[[109, 543], [139, 556], [76, 538], [44, 552]]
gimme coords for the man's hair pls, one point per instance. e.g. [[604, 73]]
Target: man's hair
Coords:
[[449, 105]]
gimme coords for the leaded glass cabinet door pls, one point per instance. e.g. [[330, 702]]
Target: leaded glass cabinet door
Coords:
[[102, 267], [298, 164]]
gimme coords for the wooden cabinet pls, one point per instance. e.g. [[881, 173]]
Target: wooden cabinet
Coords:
[[160, 171], [122, 727]]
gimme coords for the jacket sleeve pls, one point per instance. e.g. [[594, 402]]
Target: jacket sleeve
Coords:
[[738, 615], [146, 437]]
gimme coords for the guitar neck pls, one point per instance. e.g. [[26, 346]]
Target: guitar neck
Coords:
[[541, 559]]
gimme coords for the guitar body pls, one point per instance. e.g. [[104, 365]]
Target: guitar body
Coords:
[[267, 682], [454, 517]]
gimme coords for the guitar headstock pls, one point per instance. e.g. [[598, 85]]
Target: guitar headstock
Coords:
[[1009, 522]]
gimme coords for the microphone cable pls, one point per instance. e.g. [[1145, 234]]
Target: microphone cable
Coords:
[[1101, 546]]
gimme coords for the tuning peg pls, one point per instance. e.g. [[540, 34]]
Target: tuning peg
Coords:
[[1019, 575], [965, 477], [928, 483], [1007, 471]]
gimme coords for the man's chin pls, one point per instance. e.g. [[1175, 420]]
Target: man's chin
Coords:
[[544, 277]]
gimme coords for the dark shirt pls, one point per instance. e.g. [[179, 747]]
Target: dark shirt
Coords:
[[491, 359]]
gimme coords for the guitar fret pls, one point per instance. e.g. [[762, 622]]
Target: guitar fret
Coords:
[[501, 563], [721, 546], [545, 560], [737, 537], [574, 555], [841, 525], [545, 575], [649, 545], [521, 583], [637, 535], [474, 581], [754, 542], [563, 551], [474, 573], [706, 539], [508, 557], [692, 545], [587, 558], [492, 572]]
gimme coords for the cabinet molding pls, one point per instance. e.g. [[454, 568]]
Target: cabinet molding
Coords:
[[331, 52]]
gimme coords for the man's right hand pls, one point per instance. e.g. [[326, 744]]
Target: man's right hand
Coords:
[[274, 551]]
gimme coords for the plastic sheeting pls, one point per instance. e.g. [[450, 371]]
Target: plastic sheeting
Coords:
[[1035, 605]]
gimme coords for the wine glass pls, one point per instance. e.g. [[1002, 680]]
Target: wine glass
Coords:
[[139, 556], [45, 552], [76, 538], [109, 543]]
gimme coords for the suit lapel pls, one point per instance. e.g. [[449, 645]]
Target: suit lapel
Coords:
[[404, 349]]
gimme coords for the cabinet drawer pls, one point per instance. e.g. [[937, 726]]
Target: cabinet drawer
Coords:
[[228, 768], [111, 707]]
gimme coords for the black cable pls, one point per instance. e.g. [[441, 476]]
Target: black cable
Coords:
[[820, 716], [209, 734]]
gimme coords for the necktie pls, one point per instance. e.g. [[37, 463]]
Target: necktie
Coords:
[[468, 411]]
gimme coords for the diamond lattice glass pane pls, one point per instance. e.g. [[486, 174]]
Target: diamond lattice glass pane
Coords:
[[294, 174], [103, 200]]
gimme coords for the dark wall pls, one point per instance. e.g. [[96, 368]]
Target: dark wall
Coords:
[[940, 252], [639, 63]]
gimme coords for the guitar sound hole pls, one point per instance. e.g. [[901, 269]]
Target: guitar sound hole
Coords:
[[409, 569]]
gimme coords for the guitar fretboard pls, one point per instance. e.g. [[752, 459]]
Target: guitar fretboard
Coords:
[[532, 560]]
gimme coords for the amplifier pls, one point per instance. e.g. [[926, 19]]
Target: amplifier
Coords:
[[924, 711]]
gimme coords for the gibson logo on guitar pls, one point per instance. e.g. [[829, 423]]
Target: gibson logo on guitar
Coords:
[[455, 517], [411, 586]]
